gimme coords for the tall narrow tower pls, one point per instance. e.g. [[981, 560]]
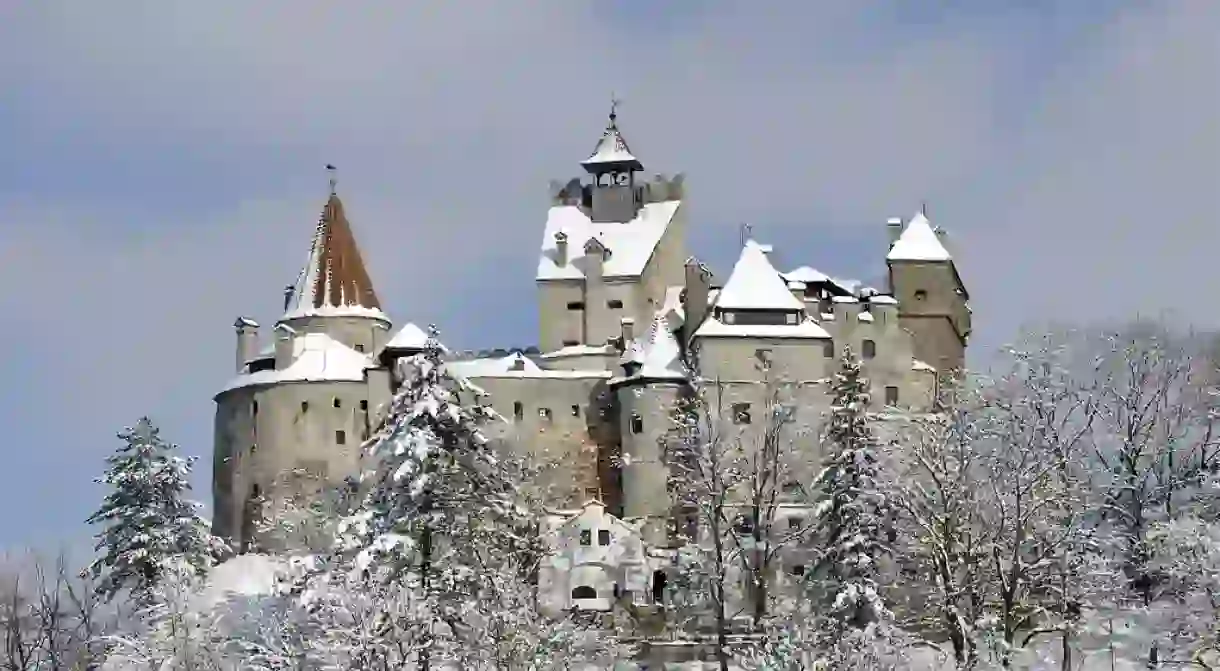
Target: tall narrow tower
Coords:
[[933, 302]]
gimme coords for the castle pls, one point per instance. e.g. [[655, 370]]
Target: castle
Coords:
[[622, 305]]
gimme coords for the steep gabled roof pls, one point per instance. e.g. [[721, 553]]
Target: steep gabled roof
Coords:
[[334, 281], [661, 358], [612, 149], [630, 243], [918, 242], [755, 284]]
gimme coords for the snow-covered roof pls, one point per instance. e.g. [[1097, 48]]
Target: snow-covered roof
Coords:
[[659, 356], [334, 281], [630, 244], [316, 357], [577, 350], [916, 364], [612, 148], [409, 337], [755, 284], [714, 328], [882, 299], [807, 275], [515, 365], [918, 242]]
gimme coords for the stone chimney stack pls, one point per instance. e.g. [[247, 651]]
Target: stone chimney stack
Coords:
[[893, 227], [628, 330], [561, 249], [798, 290], [284, 336], [247, 340]]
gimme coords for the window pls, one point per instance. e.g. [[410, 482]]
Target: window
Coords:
[[828, 349], [741, 413], [593, 492], [576, 411], [518, 410], [921, 295], [337, 403], [586, 537], [545, 415], [576, 305], [729, 317], [764, 358], [304, 406], [797, 569], [253, 448], [364, 404], [869, 349], [614, 304], [570, 343], [658, 586], [359, 348], [584, 592], [795, 522], [791, 318], [340, 437], [254, 408], [637, 424], [603, 537], [891, 395], [743, 525], [255, 491]]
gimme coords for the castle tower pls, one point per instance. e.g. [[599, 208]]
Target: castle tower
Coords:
[[602, 238], [333, 293], [292, 420], [655, 380], [933, 301]]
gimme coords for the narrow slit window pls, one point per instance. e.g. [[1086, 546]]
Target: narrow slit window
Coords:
[[891, 395], [337, 403], [576, 305], [518, 410], [364, 404], [637, 424]]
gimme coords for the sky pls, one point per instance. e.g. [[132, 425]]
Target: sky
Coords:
[[162, 169]]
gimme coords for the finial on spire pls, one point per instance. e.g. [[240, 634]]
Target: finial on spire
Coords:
[[330, 168], [289, 290], [745, 233], [923, 208], [614, 103]]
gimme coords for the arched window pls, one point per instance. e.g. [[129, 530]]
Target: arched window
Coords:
[[584, 592]]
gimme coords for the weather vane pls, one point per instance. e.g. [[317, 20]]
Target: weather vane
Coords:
[[330, 168], [745, 233], [614, 103]]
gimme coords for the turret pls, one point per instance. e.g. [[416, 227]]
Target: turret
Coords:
[[615, 196], [933, 303], [247, 340]]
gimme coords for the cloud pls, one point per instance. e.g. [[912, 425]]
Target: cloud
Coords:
[[166, 161]]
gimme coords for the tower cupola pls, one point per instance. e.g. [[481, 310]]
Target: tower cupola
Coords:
[[615, 196]]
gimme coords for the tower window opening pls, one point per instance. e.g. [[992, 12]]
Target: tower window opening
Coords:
[[828, 349], [637, 424], [359, 348], [921, 295], [545, 415], [603, 537], [741, 413], [570, 343], [337, 403], [254, 408], [586, 537], [576, 305], [658, 586], [584, 592], [304, 406], [869, 349], [364, 404], [614, 304], [518, 410], [891, 395], [340, 437], [256, 491], [576, 411]]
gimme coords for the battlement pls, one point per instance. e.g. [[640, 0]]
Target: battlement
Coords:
[[659, 189], [531, 352]]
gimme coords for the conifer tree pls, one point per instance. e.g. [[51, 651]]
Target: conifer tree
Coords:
[[851, 514], [151, 528]]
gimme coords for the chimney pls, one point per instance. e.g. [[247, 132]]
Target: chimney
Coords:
[[561, 249], [247, 340], [893, 227], [381, 333], [628, 330], [284, 335], [695, 293]]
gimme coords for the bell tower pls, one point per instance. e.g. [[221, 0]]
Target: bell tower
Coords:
[[614, 196]]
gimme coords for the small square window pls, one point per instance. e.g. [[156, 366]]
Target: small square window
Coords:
[[614, 304], [637, 424], [364, 404], [764, 357], [337, 403], [741, 413], [576, 411], [586, 537], [576, 305], [603, 537], [798, 570], [570, 343], [869, 349], [891, 395], [593, 492], [340, 437], [920, 295], [545, 415], [828, 349], [359, 348], [791, 318], [795, 522], [729, 317]]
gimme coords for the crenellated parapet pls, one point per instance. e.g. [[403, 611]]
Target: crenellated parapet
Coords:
[[659, 189]]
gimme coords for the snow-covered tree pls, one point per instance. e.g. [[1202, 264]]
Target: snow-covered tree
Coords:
[[852, 517], [150, 527]]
